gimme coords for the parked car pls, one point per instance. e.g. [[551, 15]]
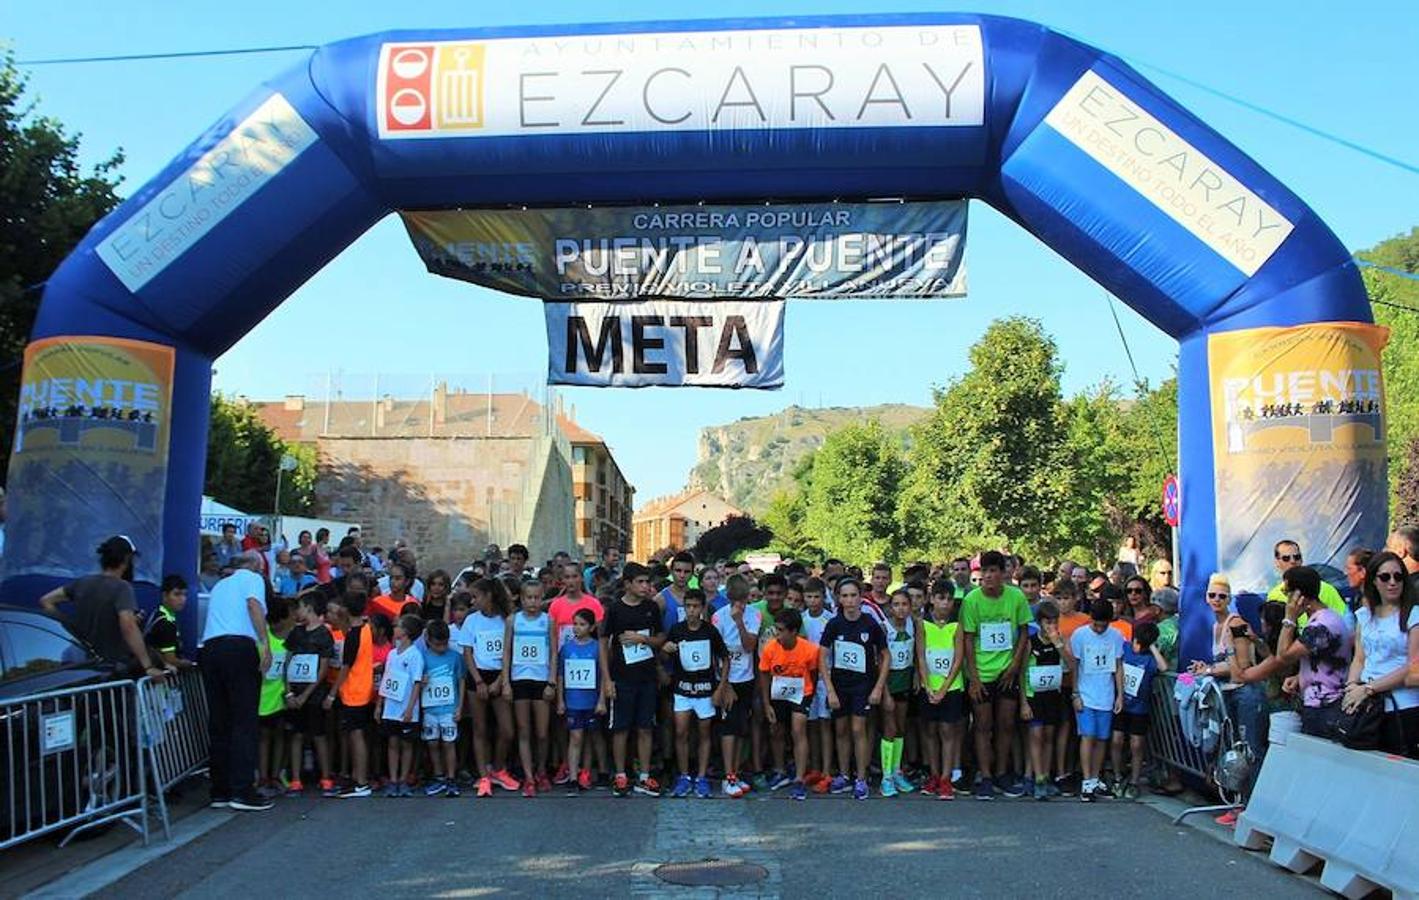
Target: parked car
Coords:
[[81, 760]]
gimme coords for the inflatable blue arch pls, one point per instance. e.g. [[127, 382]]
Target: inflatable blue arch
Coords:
[[1280, 401]]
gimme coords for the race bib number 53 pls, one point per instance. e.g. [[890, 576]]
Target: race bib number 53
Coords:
[[849, 657]]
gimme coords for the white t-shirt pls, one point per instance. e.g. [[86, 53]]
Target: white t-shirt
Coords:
[[741, 664], [1386, 649], [227, 614], [485, 634], [403, 670], [1097, 656]]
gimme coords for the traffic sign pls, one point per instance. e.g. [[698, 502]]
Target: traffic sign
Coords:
[[1172, 501]]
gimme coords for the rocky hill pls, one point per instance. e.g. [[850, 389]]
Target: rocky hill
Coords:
[[747, 460]]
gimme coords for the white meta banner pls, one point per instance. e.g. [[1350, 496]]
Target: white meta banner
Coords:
[[670, 343], [192, 204], [1197, 193], [862, 77]]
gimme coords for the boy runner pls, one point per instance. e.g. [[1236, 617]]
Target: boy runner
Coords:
[[701, 662], [854, 663], [788, 667], [739, 624], [631, 634], [1095, 657], [994, 617]]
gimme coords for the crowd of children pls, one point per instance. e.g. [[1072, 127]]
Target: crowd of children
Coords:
[[815, 682]]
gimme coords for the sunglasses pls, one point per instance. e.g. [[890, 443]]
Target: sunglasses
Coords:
[[1387, 577], [1287, 557], [1134, 591], [1211, 595]]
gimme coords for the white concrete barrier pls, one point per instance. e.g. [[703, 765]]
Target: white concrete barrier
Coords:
[[1356, 813]]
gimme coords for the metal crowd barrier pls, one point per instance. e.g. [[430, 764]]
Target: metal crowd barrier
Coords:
[[71, 761], [1166, 743], [173, 733]]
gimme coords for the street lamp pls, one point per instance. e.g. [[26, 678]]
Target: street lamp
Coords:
[[288, 464]]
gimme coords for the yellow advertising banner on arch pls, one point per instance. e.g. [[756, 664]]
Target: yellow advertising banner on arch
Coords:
[[1298, 432]]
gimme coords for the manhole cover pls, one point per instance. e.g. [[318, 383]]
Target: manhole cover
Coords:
[[710, 872]]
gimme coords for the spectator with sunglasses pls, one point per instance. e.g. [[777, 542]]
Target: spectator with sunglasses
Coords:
[[1288, 555], [1385, 641]]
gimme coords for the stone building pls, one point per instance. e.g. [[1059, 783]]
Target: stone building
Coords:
[[676, 522], [455, 471]]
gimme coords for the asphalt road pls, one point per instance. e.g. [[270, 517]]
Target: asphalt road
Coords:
[[597, 845]]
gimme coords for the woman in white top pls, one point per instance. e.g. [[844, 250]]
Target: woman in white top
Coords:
[[1128, 553], [1385, 641]]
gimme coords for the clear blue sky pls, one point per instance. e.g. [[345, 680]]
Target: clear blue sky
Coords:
[[1345, 68]]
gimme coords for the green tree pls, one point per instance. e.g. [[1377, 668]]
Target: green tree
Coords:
[[1393, 298], [991, 464], [243, 455], [48, 205], [786, 516], [854, 483], [732, 537]]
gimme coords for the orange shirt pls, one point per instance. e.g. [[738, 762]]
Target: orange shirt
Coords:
[[388, 606], [1071, 623], [801, 661], [1123, 627]]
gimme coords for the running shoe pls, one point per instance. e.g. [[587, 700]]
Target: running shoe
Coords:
[[452, 789], [932, 783], [563, 775], [759, 782], [840, 784], [797, 791], [503, 779], [944, 790], [792, 771], [485, 787], [702, 787], [1228, 819], [529, 788], [904, 784], [984, 789], [328, 788], [435, 787], [219, 803], [583, 779], [1101, 791], [1066, 786], [821, 784], [1131, 792], [859, 789], [682, 787], [406, 790], [543, 784], [1120, 789], [961, 786], [356, 792], [1041, 791], [1052, 788], [252, 801], [269, 791], [1010, 786], [778, 780], [811, 778], [647, 786], [295, 788], [730, 786], [889, 787], [1086, 793], [621, 786], [390, 790]]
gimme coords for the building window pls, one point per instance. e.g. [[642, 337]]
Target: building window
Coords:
[[578, 454]]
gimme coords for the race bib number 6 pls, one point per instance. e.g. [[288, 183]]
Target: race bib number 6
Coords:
[[694, 655]]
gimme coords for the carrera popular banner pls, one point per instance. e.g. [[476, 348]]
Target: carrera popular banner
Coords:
[[93, 425], [671, 343], [828, 250], [1298, 444]]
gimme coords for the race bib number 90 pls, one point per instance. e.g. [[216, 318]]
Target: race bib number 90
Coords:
[[394, 687]]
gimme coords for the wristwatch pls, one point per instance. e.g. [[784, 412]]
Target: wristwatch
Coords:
[[1287, 623]]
